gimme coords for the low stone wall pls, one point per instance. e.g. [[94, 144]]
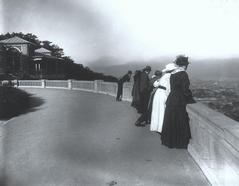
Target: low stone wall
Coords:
[[127, 89], [215, 145], [215, 137]]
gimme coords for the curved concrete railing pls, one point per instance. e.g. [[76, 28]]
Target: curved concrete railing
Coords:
[[97, 86], [215, 137], [215, 145]]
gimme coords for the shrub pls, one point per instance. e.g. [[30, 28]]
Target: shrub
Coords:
[[13, 101]]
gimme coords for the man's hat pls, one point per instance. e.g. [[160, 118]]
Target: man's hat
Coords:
[[147, 68]]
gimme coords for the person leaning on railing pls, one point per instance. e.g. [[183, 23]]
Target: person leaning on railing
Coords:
[[125, 78], [176, 130], [157, 75], [144, 92]]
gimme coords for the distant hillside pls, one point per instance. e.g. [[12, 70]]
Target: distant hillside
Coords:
[[215, 69], [111, 66], [208, 69]]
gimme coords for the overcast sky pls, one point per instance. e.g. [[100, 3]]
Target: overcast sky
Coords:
[[1, 17], [130, 29]]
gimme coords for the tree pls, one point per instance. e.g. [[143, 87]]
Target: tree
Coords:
[[57, 51], [46, 44], [73, 70], [68, 59]]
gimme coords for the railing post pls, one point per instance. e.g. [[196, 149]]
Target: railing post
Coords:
[[127, 89], [97, 85], [15, 83], [70, 84], [43, 83]]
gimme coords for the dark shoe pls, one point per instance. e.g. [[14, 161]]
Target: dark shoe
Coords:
[[139, 124], [147, 122], [118, 99]]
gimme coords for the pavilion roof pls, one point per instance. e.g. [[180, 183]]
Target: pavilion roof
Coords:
[[15, 40], [42, 50]]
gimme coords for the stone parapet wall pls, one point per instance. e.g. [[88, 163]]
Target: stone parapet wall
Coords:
[[215, 144], [127, 92]]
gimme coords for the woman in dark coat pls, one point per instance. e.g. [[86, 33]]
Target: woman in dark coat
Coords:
[[176, 131]]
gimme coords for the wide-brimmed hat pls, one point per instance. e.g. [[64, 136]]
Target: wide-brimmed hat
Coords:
[[170, 67], [181, 60]]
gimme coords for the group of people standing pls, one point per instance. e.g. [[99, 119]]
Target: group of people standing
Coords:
[[162, 101]]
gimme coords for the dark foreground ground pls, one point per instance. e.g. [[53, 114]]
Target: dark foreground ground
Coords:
[[83, 139]]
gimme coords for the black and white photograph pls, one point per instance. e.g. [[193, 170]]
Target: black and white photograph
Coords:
[[119, 92]]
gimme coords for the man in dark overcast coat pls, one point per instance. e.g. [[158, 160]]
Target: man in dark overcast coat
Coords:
[[125, 78], [144, 96]]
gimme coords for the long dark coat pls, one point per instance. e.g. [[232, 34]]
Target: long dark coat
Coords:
[[144, 92], [136, 91], [176, 131]]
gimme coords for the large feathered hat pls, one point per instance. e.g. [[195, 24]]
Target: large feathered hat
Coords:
[[181, 60]]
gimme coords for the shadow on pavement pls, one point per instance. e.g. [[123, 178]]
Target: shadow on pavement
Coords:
[[31, 105], [3, 180], [34, 104]]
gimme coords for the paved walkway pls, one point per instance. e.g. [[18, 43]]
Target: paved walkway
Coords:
[[83, 139]]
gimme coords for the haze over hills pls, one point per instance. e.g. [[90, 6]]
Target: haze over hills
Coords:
[[112, 66], [206, 69]]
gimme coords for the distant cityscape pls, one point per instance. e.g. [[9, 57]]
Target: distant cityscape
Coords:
[[222, 96]]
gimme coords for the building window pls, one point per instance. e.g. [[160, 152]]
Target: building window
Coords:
[[18, 47], [37, 67]]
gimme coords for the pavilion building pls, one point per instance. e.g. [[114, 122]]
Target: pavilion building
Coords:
[[22, 59]]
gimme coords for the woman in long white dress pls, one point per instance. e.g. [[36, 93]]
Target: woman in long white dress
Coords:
[[160, 97]]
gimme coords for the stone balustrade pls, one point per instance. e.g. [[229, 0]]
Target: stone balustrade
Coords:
[[215, 137]]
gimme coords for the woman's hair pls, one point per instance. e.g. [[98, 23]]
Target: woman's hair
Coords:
[[169, 71], [181, 60]]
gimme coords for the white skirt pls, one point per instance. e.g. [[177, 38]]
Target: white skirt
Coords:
[[158, 109]]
